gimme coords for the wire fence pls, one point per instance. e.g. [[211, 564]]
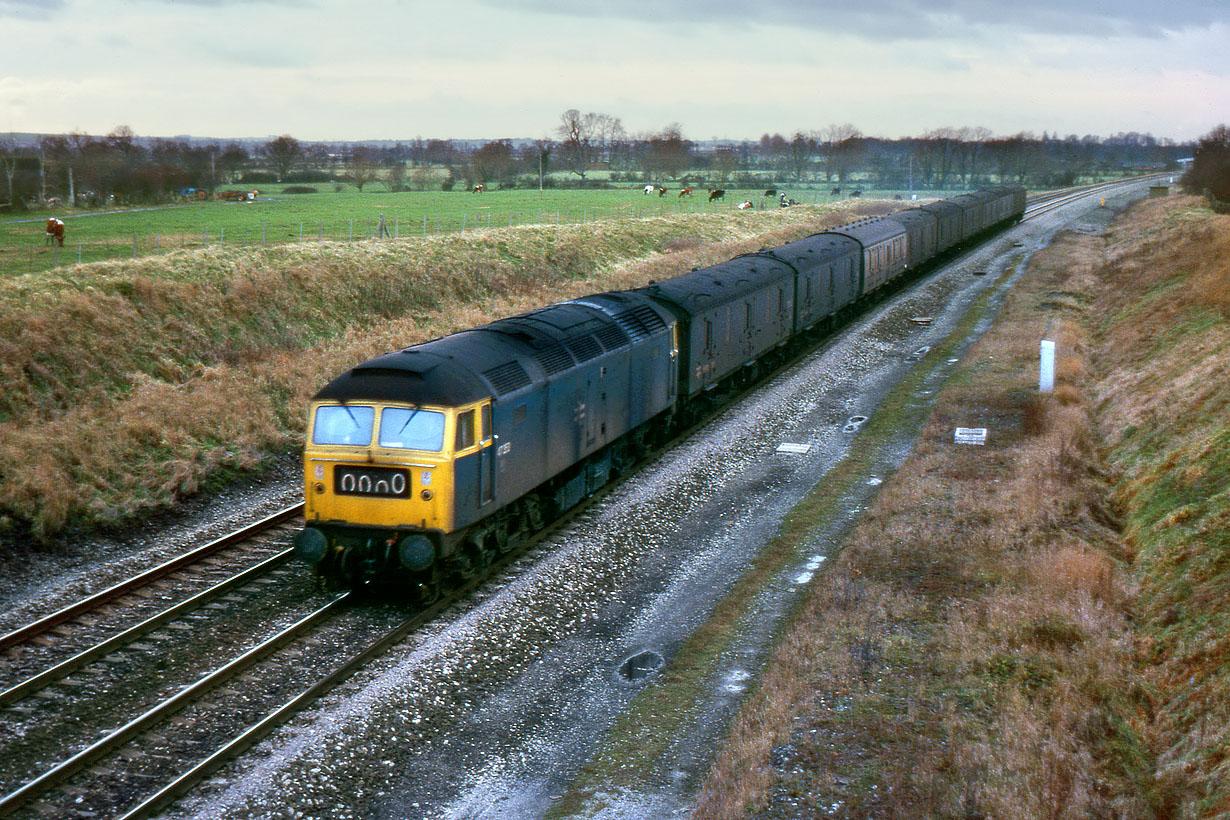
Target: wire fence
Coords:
[[38, 256]]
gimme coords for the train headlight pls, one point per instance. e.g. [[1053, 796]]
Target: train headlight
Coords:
[[427, 495], [310, 544], [416, 552]]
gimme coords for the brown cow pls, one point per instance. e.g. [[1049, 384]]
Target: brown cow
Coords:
[[685, 192], [55, 231], [716, 193], [479, 188]]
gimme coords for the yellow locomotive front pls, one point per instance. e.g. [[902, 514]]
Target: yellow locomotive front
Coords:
[[379, 485]]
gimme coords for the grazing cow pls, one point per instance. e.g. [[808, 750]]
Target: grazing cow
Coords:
[[55, 231], [716, 193], [648, 189], [835, 192], [745, 205], [685, 192], [771, 192], [783, 201], [856, 193], [661, 191], [478, 189]]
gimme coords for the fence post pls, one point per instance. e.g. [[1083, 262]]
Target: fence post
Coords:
[[263, 224], [424, 224], [301, 230], [134, 247], [351, 230], [320, 231], [78, 251]]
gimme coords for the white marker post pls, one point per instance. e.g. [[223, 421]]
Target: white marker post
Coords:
[[1046, 369]]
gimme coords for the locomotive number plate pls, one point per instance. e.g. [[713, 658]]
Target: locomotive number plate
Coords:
[[381, 482]]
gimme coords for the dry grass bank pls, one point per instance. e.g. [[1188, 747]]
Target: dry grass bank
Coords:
[[131, 384], [993, 641]]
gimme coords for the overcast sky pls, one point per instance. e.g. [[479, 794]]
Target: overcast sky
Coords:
[[485, 69]]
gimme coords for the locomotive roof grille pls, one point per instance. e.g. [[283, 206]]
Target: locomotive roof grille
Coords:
[[555, 359], [584, 347], [507, 378], [611, 337], [640, 322]]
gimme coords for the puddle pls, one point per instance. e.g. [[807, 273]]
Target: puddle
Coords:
[[641, 665]]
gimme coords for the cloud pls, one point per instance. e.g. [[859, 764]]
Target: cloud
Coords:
[[31, 8], [906, 19]]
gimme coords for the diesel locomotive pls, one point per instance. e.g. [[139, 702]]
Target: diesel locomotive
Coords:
[[421, 466]]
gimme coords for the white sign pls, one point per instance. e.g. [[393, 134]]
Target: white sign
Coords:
[[797, 449], [970, 435]]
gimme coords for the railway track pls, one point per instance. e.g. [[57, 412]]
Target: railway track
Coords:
[[66, 674], [1045, 203], [242, 539], [159, 750]]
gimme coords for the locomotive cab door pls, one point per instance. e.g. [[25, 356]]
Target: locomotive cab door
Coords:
[[474, 443], [486, 456]]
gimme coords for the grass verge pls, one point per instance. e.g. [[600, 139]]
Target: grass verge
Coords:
[[1036, 628]]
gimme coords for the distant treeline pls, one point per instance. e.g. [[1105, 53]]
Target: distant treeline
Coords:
[[591, 150]]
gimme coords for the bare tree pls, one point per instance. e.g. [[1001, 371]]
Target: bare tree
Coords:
[[840, 149], [669, 154], [725, 162], [1210, 169], [361, 166], [284, 153], [493, 162], [585, 138]]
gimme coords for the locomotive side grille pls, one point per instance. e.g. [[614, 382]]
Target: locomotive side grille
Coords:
[[640, 322], [507, 377], [611, 337], [584, 348], [555, 359]]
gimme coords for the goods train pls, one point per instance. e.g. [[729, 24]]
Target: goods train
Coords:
[[423, 465]]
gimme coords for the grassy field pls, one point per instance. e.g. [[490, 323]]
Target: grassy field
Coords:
[[341, 213]]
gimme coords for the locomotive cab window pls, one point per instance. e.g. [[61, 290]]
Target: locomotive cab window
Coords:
[[465, 431], [412, 429], [344, 425]]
